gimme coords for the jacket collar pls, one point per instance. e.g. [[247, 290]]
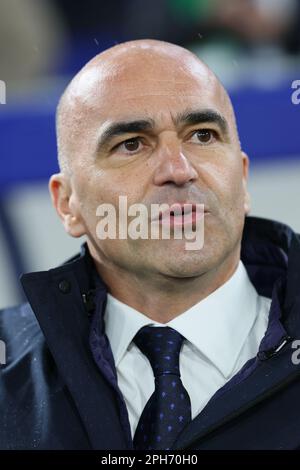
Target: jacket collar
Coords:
[[62, 302]]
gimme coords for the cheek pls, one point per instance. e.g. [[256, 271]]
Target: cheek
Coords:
[[89, 194], [226, 185], [131, 182], [105, 187]]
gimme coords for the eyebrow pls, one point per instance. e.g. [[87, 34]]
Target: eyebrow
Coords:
[[201, 117], [124, 127], [143, 125]]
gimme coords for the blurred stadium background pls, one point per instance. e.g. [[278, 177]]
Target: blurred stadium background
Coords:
[[252, 45]]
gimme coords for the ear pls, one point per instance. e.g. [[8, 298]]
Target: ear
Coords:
[[65, 204], [247, 200]]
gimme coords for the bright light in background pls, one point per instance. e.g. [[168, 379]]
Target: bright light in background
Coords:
[[2, 92]]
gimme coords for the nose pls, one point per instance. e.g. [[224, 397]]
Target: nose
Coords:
[[173, 167]]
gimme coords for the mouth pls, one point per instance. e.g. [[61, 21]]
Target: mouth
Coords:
[[182, 214]]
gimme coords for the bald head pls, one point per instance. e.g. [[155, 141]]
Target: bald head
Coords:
[[137, 67]]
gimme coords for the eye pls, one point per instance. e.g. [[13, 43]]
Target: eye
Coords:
[[204, 136], [130, 145]]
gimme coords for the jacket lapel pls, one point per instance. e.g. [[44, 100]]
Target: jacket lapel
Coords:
[[267, 379], [56, 299]]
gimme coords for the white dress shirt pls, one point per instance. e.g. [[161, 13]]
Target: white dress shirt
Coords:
[[222, 332]]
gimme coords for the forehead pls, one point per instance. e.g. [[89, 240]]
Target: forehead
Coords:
[[149, 88]]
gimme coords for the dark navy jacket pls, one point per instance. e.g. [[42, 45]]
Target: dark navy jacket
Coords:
[[58, 389]]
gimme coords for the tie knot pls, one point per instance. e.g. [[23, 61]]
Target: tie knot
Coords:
[[161, 345]]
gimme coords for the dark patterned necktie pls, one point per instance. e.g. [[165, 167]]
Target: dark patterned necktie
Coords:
[[168, 410]]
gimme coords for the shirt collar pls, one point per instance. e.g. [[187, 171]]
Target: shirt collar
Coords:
[[217, 326]]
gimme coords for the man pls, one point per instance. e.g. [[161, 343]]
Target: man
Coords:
[[140, 343]]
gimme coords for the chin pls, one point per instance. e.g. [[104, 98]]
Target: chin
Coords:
[[189, 264]]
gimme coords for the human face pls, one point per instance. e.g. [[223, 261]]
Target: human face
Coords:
[[159, 130]]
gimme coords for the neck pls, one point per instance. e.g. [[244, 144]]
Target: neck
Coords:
[[161, 297]]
